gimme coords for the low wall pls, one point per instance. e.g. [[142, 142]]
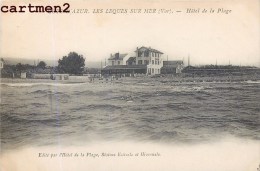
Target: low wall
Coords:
[[41, 76], [79, 78]]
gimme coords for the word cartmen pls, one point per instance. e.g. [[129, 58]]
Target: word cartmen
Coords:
[[65, 8]]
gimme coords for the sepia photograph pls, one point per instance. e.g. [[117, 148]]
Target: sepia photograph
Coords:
[[120, 85]]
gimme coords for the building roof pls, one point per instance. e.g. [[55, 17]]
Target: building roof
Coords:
[[143, 48], [131, 59], [172, 63], [125, 67], [117, 56]]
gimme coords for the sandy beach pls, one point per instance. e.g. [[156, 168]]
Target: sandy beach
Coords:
[[142, 78]]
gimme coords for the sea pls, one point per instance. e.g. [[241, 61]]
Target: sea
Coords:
[[193, 123]]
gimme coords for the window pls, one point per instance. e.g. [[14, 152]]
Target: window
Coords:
[[118, 62], [146, 62], [139, 54], [113, 63], [140, 62], [152, 61], [152, 70], [146, 53]]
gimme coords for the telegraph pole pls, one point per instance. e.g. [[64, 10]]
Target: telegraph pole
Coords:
[[1, 66], [101, 68], [188, 60]]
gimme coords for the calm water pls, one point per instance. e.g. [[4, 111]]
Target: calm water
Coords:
[[57, 113]]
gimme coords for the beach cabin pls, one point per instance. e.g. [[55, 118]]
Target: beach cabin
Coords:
[[60, 76], [23, 75]]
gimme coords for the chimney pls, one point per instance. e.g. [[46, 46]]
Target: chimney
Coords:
[[117, 55]]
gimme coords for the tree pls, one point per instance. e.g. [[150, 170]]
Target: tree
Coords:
[[71, 64], [20, 67], [1, 63], [41, 64]]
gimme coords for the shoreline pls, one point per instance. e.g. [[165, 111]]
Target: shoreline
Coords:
[[182, 78], [124, 80], [146, 79]]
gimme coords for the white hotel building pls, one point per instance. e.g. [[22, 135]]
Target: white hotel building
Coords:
[[144, 60], [150, 57]]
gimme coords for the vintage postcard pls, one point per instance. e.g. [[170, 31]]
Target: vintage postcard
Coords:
[[129, 85]]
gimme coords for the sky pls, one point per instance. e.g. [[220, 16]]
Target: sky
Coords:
[[208, 38]]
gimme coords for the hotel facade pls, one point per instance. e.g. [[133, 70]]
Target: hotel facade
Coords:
[[144, 60]]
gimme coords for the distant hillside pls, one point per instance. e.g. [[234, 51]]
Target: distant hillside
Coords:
[[14, 61], [93, 64]]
